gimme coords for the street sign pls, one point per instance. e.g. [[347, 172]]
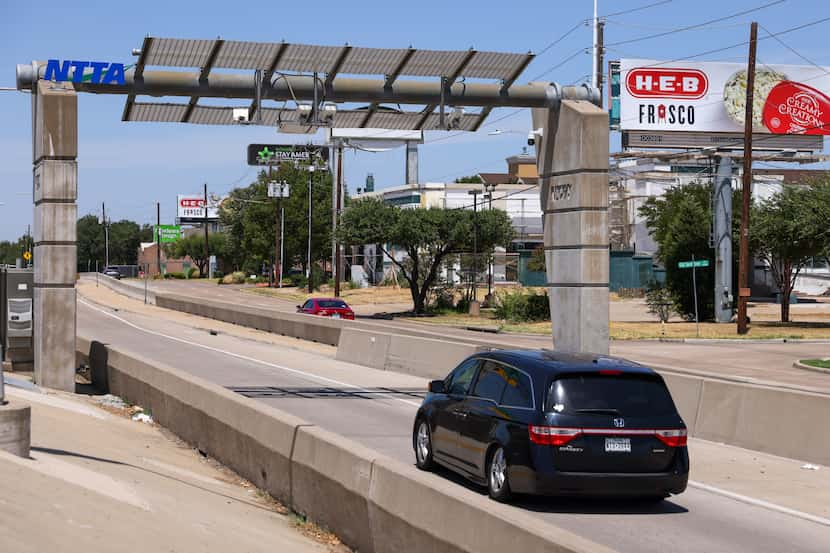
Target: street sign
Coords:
[[27, 255], [274, 154], [691, 264], [168, 233], [278, 189]]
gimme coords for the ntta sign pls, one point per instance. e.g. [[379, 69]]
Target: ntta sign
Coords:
[[95, 72]]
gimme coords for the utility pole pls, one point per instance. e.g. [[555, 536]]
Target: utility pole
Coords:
[[746, 196], [339, 185], [158, 238], [599, 53], [207, 246], [594, 57], [106, 236], [308, 252]]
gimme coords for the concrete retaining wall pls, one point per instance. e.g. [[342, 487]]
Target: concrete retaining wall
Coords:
[[374, 504]]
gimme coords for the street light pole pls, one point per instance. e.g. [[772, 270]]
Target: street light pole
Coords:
[[308, 253], [474, 194], [491, 187]]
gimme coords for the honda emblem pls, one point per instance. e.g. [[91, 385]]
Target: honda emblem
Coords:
[[619, 423]]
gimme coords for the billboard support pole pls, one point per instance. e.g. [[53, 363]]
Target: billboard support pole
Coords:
[[339, 186], [207, 246], [746, 193], [158, 237]]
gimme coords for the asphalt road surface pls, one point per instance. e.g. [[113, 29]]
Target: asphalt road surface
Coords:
[[376, 408]]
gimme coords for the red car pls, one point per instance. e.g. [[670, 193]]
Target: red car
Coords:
[[327, 307]]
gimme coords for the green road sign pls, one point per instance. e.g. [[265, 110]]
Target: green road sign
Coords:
[[690, 264], [168, 233]]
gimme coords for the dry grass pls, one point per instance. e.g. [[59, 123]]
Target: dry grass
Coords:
[[645, 330]]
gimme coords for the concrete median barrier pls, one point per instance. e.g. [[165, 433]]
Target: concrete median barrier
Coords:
[[416, 511], [134, 291], [252, 438], [786, 423], [304, 327], [403, 353], [685, 391], [374, 504], [326, 471]]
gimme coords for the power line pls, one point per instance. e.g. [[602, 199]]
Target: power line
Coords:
[[632, 10], [793, 50], [695, 26]]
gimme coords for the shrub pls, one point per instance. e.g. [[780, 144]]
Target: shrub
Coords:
[[179, 276], [192, 272], [353, 285], [660, 302], [237, 277], [522, 306]]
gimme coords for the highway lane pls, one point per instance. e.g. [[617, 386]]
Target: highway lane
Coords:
[[376, 409]]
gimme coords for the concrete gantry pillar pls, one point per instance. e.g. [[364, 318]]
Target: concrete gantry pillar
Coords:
[[572, 160], [55, 149], [722, 225]]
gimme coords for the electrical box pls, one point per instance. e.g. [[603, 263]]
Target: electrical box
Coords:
[[17, 316]]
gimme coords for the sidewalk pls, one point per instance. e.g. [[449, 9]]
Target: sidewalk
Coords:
[[98, 481]]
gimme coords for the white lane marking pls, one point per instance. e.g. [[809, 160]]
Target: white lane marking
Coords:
[[760, 503], [245, 357]]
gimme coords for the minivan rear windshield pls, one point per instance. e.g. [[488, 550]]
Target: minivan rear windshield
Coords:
[[626, 395], [331, 304]]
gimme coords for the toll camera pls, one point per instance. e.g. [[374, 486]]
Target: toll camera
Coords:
[[240, 115]]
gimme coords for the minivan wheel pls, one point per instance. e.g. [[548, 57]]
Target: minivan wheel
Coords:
[[423, 446], [498, 485]]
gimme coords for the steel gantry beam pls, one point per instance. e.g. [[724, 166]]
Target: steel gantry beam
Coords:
[[203, 75], [138, 74], [301, 87], [390, 79], [505, 86], [446, 82]]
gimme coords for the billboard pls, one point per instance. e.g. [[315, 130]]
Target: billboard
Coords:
[[711, 97], [274, 154], [191, 208]]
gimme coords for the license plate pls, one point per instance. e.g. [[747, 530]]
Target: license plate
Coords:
[[335, 316], [618, 445]]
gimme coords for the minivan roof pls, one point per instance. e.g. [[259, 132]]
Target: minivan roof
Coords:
[[549, 362]]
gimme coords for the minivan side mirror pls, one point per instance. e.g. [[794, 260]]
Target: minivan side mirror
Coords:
[[436, 386]]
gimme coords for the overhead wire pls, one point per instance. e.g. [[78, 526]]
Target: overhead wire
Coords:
[[696, 25]]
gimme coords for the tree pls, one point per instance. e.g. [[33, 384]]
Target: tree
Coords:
[[680, 221], [427, 236], [250, 217], [193, 246], [10, 252], [785, 234], [90, 236], [470, 179]]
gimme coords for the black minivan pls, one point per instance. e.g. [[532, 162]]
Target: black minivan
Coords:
[[543, 422]]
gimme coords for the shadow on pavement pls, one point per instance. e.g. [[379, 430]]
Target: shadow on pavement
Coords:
[[575, 505]]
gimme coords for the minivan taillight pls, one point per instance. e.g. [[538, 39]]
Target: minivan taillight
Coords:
[[672, 438], [552, 435]]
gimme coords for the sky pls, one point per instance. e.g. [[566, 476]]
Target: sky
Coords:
[[131, 166]]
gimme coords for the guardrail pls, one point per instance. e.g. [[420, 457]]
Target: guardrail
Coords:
[[373, 503]]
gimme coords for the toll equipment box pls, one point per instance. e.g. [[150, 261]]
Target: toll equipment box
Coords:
[[17, 305]]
